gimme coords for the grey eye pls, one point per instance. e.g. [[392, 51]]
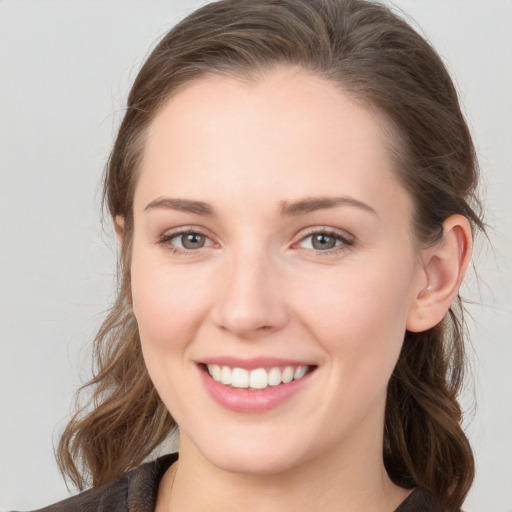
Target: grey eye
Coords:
[[322, 241], [325, 241], [192, 240]]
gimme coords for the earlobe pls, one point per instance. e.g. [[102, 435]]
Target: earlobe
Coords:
[[444, 267], [119, 227]]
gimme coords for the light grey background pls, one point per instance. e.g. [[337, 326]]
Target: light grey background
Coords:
[[65, 69]]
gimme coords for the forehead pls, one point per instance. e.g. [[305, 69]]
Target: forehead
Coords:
[[289, 129]]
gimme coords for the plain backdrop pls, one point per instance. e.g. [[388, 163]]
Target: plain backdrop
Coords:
[[65, 70]]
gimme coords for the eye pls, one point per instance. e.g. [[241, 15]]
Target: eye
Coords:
[[325, 241], [186, 241]]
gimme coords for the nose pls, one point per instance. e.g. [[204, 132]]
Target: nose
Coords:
[[251, 301]]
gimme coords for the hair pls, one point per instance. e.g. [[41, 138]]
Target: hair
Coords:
[[376, 57]]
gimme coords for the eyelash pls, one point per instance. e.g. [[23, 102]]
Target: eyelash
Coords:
[[346, 242], [165, 240]]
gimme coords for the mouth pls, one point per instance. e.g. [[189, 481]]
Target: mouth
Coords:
[[256, 379], [254, 385]]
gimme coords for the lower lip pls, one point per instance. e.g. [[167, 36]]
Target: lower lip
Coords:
[[243, 400]]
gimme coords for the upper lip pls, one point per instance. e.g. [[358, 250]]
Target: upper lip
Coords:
[[254, 362]]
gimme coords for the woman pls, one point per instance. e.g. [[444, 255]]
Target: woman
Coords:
[[293, 190]]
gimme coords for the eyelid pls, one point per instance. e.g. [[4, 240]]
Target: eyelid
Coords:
[[346, 238], [165, 238]]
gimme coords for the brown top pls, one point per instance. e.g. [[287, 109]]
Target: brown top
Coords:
[[136, 491]]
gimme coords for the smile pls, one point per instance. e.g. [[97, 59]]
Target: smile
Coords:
[[258, 378], [254, 385]]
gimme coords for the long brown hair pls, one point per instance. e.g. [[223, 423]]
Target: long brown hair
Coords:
[[375, 56]]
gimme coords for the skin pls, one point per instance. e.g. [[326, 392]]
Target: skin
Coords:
[[259, 288]]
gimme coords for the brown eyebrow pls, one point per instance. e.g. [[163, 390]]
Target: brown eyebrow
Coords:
[[182, 205], [299, 207], [312, 204]]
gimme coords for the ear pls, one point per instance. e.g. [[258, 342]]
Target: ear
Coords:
[[444, 266], [119, 227]]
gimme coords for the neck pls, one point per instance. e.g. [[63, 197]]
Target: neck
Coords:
[[327, 483]]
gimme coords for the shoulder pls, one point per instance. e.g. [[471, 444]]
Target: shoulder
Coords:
[[420, 500], [135, 491]]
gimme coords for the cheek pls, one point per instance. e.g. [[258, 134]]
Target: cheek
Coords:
[[168, 302], [359, 316], [169, 307]]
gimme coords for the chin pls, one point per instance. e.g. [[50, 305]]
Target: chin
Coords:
[[255, 462], [242, 454]]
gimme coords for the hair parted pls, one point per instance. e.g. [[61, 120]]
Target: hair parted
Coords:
[[375, 56]]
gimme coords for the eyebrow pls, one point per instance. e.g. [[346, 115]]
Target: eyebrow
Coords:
[[311, 204], [182, 205], [300, 207]]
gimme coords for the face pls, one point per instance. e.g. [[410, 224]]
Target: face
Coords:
[[273, 270]]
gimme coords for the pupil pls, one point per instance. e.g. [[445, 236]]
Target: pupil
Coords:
[[192, 241], [323, 242]]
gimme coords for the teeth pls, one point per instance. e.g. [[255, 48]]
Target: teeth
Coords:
[[300, 372], [259, 378], [225, 375], [215, 371], [287, 374], [274, 377], [239, 378]]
